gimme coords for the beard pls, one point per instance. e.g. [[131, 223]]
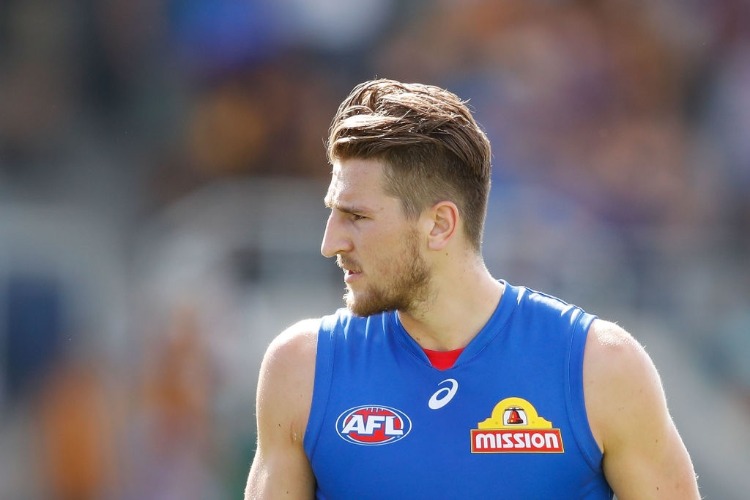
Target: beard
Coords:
[[405, 285]]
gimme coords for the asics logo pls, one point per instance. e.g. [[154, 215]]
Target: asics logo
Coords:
[[443, 395]]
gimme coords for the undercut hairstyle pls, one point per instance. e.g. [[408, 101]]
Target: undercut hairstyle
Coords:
[[432, 147]]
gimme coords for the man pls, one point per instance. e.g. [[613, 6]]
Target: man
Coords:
[[439, 381]]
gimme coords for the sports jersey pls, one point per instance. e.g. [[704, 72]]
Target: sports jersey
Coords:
[[508, 420]]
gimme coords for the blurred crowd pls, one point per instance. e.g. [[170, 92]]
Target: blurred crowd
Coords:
[[161, 175]]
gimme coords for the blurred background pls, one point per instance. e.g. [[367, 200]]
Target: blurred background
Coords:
[[161, 176]]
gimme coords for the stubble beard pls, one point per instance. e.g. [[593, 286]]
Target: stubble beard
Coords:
[[407, 287]]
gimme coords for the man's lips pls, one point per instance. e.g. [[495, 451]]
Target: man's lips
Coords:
[[350, 275], [349, 267]]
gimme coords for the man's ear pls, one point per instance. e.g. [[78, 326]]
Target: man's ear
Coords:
[[443, 218]]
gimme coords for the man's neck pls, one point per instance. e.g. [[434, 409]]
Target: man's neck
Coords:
[[456, 311]]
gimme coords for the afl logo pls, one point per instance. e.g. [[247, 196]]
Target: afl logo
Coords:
[[373, 425]]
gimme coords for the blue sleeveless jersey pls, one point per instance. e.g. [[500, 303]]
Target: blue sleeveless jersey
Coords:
[[508, 420]]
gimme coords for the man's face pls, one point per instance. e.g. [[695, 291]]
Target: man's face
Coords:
[[378, 248]]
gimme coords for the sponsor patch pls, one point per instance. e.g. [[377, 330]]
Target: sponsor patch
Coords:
[[515, 427], [373, 425]]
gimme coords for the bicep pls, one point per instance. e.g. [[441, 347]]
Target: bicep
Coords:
[[280, 467], [644, 456]]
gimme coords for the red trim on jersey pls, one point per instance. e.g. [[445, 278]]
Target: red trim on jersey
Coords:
[[442, 360]]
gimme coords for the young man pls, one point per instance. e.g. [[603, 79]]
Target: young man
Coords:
[[437, 380]]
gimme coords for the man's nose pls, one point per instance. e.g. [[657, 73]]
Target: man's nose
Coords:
[[335, 239]]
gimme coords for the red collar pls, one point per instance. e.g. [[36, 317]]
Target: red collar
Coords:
[[442, 360]]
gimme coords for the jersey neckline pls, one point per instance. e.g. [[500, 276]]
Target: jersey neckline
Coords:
[[494, 326]]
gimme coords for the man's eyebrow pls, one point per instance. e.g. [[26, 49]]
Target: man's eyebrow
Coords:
[[347, 209]]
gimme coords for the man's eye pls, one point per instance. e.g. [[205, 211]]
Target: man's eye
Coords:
[[357, 217]]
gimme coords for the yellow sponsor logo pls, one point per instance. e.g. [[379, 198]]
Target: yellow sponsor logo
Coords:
[[515, 427]]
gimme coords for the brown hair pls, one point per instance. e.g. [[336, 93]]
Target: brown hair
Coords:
[[432, 147]]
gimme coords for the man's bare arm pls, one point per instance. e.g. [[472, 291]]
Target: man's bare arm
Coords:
[[644, 456], [280, 468]]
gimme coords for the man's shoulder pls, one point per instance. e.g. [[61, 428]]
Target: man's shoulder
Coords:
[[621, 385], [550, 310], [613, 354], [612, 345], [618, 373], [287, 372], [298, 341]]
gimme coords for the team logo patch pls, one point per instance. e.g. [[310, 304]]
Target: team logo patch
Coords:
[[515, 427], [373, 425]]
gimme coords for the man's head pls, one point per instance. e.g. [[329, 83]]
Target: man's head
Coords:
[[431, 145]]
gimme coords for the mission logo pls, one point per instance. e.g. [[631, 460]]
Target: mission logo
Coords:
[[373, 425], [515, 427]]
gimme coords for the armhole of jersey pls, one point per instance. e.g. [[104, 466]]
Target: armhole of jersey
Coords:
[[321, 384], [576, 401]]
